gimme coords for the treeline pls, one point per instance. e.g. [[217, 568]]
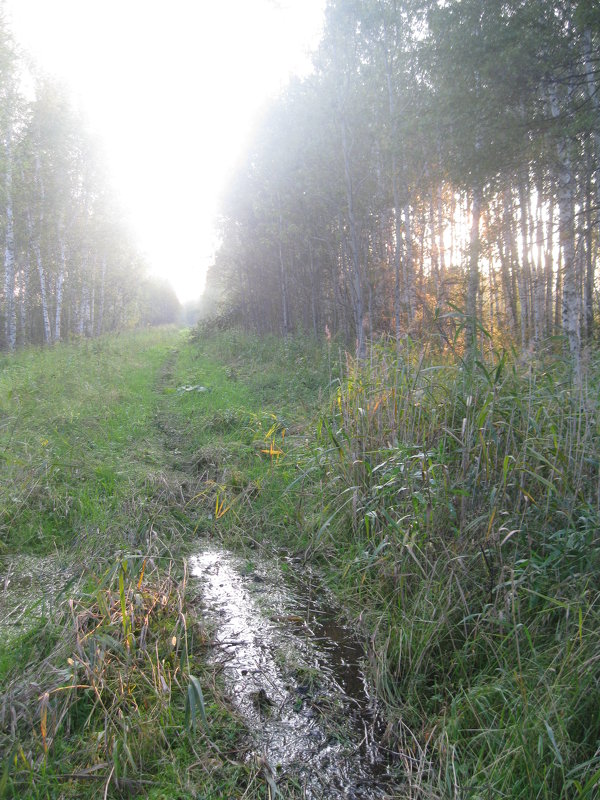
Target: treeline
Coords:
[[437, 173], [69, 265]]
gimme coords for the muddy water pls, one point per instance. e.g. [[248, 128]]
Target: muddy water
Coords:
[[296, 676]]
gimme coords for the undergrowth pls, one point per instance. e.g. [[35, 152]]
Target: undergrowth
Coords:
[[462, 519], [120, 705], [116, 455], [455, 509]]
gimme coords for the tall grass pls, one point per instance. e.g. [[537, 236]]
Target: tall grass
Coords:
[[462, 514], [115, 708]]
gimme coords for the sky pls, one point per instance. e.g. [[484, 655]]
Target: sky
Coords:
[[172, 88]]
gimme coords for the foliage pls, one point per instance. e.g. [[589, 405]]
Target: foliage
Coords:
[[452, 505], [432, 161], [70, 265], [116, 472], [454, 509], [461, 517]]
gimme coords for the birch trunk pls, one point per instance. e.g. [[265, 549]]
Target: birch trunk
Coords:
[[10, 321], [100, 316], [396, 200], [473, 279], [540, 273], [38, 252], [60, 279], [24, 292], [549, 265], [592, 92], [525, 271], [282, 280], [566, 212], [407, 266], [508, 264], [588, 289], [356, 282]]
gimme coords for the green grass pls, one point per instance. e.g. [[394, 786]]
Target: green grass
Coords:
[[110, 461], [75, 439], [455, 512], [461, 520]]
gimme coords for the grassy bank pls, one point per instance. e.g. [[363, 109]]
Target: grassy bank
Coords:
[[464, 509]]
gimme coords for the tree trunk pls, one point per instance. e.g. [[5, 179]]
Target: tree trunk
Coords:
[[356, 282], [408, 266], [282, 278], [60, 279], [539, 323], [10, 321], [24, 292], [549, 266], [100, 315], [591, 67], [525, 271], [473, 277], [566, 210]]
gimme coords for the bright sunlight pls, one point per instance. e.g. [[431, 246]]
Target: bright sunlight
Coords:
[[172, 90]]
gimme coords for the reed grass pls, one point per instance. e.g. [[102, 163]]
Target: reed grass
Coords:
[[462, 518], [455, 508]]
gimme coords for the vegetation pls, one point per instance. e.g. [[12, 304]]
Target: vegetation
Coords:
[[454, 509], [428, 198], [107, 687], [441, 160], [462, 517], [426, 206], [70, 267]]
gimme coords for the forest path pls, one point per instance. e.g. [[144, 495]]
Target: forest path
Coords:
[[292, 669], [125, 460]]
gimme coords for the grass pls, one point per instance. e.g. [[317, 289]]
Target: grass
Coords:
[[461, 519], [112, 465], [454, 511], [74, 442]]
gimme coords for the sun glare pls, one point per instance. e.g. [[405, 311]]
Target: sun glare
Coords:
[[172, 90]]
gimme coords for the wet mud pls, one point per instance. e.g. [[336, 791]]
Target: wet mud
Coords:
[[296, 674]]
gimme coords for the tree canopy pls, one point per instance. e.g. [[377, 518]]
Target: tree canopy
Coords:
[[441, 162]]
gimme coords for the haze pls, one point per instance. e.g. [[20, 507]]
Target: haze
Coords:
[[172, 89]]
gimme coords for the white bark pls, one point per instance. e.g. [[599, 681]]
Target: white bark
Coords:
[[10, 321], [38, 251], [566, 209], [100, 317], [592, 92], [282, 277], [60, 278], [356, 282], [524, 272], [473, 277]]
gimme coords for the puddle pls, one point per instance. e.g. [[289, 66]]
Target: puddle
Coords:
[[295, 674]]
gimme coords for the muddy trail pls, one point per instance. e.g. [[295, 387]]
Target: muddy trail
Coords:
[[296, 675], [293, 671]]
